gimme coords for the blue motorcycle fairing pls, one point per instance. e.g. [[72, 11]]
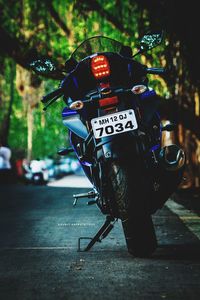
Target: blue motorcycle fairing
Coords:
[[148, 103], [71, 119]]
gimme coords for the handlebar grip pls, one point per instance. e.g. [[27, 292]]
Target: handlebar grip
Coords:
[[157, 71], [56, 93]]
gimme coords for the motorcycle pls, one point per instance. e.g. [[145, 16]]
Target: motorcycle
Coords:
[[115, 131], [36, 172]]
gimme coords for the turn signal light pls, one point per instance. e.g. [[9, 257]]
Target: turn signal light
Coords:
[[100, 66], [139, 89], [76, 105]]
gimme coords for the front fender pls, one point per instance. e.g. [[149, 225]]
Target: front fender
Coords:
[[122, 147]]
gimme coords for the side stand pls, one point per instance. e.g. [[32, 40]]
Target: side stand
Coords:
[[101, 234]]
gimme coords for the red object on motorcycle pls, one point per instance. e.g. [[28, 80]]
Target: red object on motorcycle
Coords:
[[100, 67], [104, 85], [108, 101]]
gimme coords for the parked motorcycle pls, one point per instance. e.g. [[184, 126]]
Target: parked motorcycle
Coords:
[[116, 131], [36, 172]]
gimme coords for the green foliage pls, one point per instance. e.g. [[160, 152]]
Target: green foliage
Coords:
[[18, 126], [49, 133], [55, 28]]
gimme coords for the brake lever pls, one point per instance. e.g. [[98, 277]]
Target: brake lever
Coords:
[[51, 102]]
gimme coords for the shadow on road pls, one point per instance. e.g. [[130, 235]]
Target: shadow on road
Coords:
[[184, 251]]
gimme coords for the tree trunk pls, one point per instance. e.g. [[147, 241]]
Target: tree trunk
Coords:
[[6, 122], [29, 131]]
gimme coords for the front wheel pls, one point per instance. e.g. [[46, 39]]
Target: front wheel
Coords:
[[129, 193]]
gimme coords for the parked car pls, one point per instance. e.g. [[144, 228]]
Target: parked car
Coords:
[[66, 166]]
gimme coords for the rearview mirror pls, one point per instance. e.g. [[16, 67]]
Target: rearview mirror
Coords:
[[43, 66], [46, 67], [150, 41]]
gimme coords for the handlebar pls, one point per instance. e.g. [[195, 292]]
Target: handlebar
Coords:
[[55, 94], [158, 71]]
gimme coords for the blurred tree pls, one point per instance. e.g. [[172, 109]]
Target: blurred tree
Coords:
[[180, 20], [29, 29]]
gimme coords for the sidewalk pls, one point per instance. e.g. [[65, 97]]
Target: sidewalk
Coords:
[[73, 181], [189, 198]]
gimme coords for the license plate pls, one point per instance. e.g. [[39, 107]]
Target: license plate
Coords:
[[116, 123]]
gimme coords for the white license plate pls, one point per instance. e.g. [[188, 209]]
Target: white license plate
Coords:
[[114, 123]]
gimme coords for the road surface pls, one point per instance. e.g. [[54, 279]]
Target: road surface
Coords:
[[39, 231]]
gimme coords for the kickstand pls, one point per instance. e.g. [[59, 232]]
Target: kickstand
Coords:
[[101, 234]]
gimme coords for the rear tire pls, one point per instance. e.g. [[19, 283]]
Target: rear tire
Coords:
[[131, 197], [140, 236]]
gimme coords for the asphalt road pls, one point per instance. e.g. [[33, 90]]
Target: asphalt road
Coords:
[[39, 231]]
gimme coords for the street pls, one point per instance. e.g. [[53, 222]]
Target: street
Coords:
[[39, 231]]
